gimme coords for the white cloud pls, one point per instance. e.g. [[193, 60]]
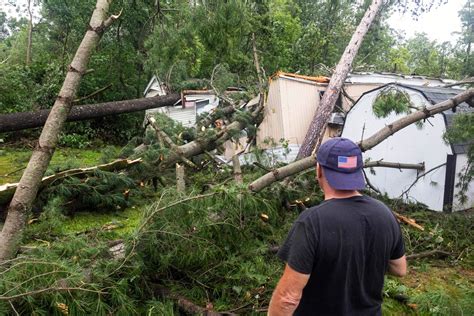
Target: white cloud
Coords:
[[439, 23]]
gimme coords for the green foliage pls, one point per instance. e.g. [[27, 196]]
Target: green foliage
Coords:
[[101, 191], [391, 100], [445, 231], [212, 239], [462, 132]]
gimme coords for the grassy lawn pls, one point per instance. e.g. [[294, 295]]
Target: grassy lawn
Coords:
[[12, 161], [432, 287]]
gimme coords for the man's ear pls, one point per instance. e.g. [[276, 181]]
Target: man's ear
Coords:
[[318, 171]]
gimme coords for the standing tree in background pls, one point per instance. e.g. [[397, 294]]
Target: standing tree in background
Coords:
[[21, 203], [30, 33], [467, 37]]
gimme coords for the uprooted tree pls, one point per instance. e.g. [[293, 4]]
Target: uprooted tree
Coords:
[[30, 181]]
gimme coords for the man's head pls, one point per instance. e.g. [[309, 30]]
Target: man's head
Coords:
[[341, 162]]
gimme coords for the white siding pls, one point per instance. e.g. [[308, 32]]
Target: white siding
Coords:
[[461, 163], [186, 116], [272, 124], [299, 101], [410, 145]]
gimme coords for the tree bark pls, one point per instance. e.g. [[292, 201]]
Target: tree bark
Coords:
[[180, 181], [201, 145], [24, 120], [164, 138], [366, 144], [318, 125], [30, 182], [237, 169]]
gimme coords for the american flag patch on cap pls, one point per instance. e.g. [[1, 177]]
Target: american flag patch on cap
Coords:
[[346, 162]]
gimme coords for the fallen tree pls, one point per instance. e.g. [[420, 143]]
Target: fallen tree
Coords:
[[30, 182], [19, 121], [7, 190], [203, 144], [366, 144], [318, 124]]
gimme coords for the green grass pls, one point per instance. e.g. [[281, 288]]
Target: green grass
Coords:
[[12, 160], [126, 221], [432, 289], [215, 250]]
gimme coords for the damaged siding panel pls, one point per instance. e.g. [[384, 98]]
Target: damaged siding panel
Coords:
[[299, 102]]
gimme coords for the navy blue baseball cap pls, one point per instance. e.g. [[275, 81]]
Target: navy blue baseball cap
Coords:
[[342, 163]]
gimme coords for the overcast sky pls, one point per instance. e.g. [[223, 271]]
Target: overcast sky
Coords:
[[439, 23]]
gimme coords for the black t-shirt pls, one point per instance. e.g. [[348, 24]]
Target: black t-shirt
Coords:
[[345, 244]]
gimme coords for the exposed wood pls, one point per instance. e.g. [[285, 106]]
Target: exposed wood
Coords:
[[19, 121], [319, 123], [216, 114], [366, 144], [180, 181], [407, 220], [7, 190], [430, 253], [27, 189]]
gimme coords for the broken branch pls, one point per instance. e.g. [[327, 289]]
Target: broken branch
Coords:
[[7, 190], [408, 221]]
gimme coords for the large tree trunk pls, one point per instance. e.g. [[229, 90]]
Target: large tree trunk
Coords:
[[24, 120], [318, 125], [366, 144], [30, 182]]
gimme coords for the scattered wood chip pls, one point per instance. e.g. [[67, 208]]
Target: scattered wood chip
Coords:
[[409, 221]]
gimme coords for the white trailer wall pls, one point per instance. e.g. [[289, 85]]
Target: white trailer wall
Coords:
[[410, 145]]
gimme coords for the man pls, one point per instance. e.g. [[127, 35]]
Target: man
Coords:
[[337, 253]]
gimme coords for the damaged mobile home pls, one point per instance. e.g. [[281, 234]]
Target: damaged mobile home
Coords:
[[438, 185]]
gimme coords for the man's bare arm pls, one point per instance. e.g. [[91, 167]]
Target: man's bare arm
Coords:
[[398, 267], [287, 294]]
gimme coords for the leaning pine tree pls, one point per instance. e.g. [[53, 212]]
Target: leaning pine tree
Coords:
[[318, 124], [30, 182]]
